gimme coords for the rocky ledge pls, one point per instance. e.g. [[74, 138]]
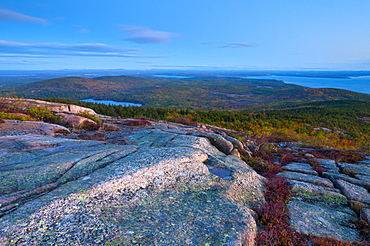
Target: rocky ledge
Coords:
[[141, 182], [147, 183]]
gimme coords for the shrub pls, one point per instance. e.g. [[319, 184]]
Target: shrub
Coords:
[[85, 114], [340, 155], [43, 114], [183, 120], [328, 241], [11, 116]]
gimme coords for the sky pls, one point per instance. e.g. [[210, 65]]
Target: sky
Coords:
[[190, 34]]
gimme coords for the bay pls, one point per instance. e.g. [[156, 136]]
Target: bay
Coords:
[[359, 84]]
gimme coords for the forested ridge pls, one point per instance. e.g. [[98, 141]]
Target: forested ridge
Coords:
[[197, 93]]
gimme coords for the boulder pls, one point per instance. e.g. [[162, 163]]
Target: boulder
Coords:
[[219, 142], [78, 122], [106, 127], [52, 129]]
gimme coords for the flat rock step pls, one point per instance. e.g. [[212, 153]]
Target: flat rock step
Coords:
[[322, 222], [307, 178]]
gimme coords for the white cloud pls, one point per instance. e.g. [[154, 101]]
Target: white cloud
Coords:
[[229, 45], [18, 17], [15, 49], [144, 35]]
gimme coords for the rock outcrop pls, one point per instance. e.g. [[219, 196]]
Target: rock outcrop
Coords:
[[324, 204], [164, 185], [56, 107]]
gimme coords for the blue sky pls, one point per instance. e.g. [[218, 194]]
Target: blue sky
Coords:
[[191, 34]]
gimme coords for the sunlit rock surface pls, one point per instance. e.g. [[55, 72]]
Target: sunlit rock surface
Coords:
[[157, 189]]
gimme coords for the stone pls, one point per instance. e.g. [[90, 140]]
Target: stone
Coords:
[[354, 169], [354, 192], [93, 136], [52, 129], [300, 167], [330, 165], [219, 142], [365, 214], [57, 107], [78, 122], [365, 178], [321, 222], [314, 193], [109, 127], [334, 176], [307, 178]]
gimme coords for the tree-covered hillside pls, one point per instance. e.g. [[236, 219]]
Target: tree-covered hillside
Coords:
[[343, 124], [201, 93]]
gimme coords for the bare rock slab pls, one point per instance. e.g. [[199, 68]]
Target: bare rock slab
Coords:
[[300, 167], [354, 192], [307, 178], [315, 193], [330, 165], [321, 222], [354, 169]]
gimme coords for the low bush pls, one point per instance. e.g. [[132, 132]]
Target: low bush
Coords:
[[90, 116], [43, 114], [12, 116]]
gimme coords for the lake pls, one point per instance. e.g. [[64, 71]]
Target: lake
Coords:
[[108, 102], [358, 84]]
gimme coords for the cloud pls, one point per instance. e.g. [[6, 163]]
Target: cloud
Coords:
[[229, 45], [18, 17], [144, 35], [15, 49]]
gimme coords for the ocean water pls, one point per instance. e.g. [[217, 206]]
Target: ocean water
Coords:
[[358, 84], [108, 102]]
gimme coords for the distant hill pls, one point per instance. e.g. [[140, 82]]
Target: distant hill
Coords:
[[200, 93]]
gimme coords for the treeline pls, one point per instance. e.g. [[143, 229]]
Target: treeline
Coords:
[[340, 124]]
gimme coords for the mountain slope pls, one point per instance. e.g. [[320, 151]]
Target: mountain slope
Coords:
[[200, 93]]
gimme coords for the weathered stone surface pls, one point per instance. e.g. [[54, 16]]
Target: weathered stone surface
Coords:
[[365, 178], [354, 169], [156, 190], [330, 165], [354, 192], [306, 178], [16, 127], [365, 214], [109, 127], [314, 193], [300, 167], [52, 129], [321, 222], [57, 107], [335, 176], [219, 142], [78, 122]]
